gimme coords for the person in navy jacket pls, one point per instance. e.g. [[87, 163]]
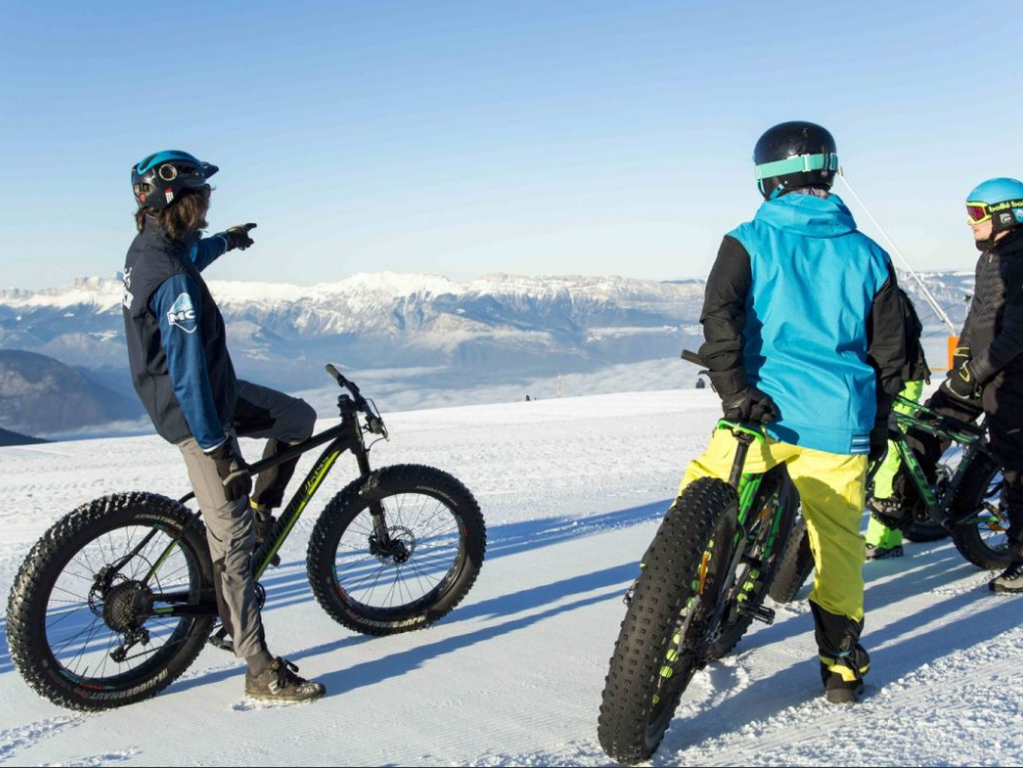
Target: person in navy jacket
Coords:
[[182, 371]]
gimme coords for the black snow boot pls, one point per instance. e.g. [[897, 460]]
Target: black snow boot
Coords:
[[882, 553], [843, 676], [279, 682], [844, 662]]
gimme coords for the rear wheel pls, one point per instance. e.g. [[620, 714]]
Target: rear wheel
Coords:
[[407, 569], [983, 537], [663, 639], [923, 532], [795, 565], [80, 620]]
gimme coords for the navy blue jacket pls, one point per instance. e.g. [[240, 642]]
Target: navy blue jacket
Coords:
[[176, 337]]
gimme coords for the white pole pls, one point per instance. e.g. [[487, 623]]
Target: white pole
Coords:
[[905, 262]]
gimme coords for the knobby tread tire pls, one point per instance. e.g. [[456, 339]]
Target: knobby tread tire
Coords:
[[922, 533], [658, 599], [795, 565], [969, 499], [352, 501], [26, 607], [967, 538]]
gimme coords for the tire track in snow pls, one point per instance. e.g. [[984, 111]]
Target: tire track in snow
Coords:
[[15, 740]]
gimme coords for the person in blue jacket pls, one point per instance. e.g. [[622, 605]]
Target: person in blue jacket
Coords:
[[804, 333], [182, 371]]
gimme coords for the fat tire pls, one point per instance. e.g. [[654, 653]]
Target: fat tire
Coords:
[[795, 565], [26, 608], [967, 538], [352, 501], [922, 533], [658, 599]]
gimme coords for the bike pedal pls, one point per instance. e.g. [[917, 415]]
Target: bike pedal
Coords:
[[759, 613], [218, 640]]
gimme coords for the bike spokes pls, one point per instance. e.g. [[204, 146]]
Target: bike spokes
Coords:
[[402, 556], [98, 622]]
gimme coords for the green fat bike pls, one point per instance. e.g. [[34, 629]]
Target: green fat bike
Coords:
[[965, 501], [117, 599], [702, 583]]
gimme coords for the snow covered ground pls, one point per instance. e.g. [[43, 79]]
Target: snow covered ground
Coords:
[[572, 490]]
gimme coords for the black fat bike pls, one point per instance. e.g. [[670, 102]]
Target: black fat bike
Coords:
[[117, 599], [702, 583], [964, 501]]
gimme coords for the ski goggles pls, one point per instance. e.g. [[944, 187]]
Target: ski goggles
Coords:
[[977, 213]]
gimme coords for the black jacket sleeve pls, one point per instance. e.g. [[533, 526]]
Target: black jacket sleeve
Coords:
[[917, 368], [1008, 344], [964, 336], [886, 333], [724, 317]]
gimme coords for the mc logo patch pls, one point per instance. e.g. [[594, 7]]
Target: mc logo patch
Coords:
[[182, 314]]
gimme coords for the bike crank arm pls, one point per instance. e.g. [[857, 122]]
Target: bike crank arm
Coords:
[[758, 613]]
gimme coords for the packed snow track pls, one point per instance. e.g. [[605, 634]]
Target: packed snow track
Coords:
[[572, 491]]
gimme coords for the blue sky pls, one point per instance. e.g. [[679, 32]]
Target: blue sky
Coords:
[[471, 137]]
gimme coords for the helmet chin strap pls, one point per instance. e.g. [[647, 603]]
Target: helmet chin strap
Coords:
[[991, 242]]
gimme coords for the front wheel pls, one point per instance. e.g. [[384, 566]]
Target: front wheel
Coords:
[[663, 640], [396, 550], [982, 538]]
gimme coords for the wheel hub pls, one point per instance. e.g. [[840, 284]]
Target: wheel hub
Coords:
[[398, 549], [125, 607]]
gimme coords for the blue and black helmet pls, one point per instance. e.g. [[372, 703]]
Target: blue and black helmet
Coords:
[[1000, 200], [158, 179], [794, 155]]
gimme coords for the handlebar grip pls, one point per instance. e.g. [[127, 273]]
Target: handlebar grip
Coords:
[[334, 373], [692, 357]]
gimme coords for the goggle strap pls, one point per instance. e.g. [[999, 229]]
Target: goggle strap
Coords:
[[798, 164]]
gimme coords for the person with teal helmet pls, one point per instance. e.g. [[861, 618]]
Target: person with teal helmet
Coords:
[[987, 378], [182, 371]]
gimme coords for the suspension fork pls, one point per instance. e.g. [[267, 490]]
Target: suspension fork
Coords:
[[376, 509]]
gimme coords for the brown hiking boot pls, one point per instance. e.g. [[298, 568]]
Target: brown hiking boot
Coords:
[[279, 682]]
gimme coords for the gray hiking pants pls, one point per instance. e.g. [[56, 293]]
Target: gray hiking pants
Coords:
[[230, 528]]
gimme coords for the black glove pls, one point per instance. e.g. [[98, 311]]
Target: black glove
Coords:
[[233, 471], [879, 435], [962, 384], [962, 355], [749, 405], [238, 237], [879, 440]]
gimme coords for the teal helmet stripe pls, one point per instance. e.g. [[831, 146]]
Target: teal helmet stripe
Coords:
[[798, 164]]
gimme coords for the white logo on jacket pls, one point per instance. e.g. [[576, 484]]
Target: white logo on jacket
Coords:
[[128, 298], [182, 314]]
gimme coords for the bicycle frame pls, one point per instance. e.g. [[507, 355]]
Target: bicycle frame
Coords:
[[346, 436], [972, 438]]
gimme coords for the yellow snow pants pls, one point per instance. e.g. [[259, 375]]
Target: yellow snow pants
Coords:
[[831, 488]]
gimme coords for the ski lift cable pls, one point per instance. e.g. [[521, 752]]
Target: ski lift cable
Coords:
[[905, 262]]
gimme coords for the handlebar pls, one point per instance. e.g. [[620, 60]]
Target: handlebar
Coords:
[[374, 423], [940, 420], [692, 357]]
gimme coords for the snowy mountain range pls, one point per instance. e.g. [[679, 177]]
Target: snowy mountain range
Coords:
[[494, 330], [279, 332]]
